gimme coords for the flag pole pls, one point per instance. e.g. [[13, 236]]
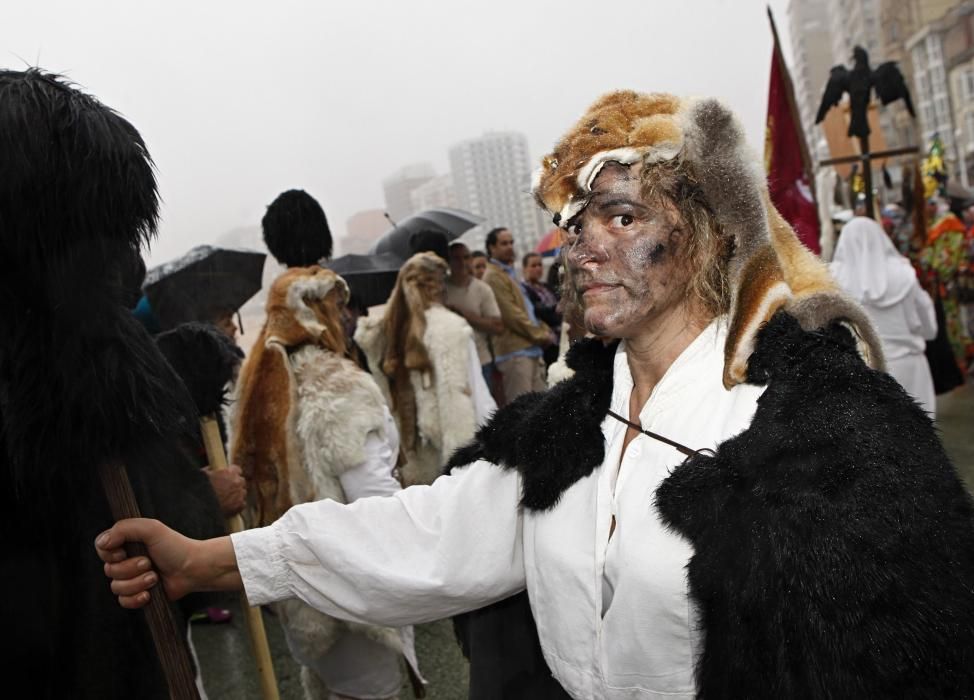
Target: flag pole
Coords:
[[793, 108]]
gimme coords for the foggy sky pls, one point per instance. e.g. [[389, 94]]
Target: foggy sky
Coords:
[[238, 101]]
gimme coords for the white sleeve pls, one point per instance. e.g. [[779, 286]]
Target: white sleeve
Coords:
[[483, 403], [924, 315], [374, 476], [426, 553]]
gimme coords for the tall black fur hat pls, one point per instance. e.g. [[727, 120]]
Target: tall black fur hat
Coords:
[[76, 182], [296, 230], [78, 200]]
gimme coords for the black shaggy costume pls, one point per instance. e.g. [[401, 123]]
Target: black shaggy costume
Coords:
[[833, 540], [81, 382]]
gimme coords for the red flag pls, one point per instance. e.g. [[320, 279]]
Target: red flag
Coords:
[[784, 158]]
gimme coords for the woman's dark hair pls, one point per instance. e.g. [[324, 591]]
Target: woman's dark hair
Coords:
[[429, 241], [478, 254], [491, 239]]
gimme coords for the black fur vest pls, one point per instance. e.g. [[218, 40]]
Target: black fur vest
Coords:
[[833, 540]]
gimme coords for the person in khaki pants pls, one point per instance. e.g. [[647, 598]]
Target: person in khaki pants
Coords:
[[518, 349]]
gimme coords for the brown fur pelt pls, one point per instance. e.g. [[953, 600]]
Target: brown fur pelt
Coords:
[[768, 269], [418, 286], [303, 307]]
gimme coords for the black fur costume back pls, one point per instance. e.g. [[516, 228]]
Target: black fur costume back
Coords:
[[833, 540], [81, 382]]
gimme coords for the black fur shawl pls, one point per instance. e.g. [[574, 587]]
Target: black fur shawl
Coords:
[[833, 540]]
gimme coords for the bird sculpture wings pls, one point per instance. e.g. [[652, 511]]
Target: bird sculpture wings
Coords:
[[835, 88], [890, 85], [886, 80]]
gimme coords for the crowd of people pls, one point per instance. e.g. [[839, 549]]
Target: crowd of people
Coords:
[[724, 494]]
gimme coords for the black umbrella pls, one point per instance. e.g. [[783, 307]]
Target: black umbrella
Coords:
[[452, 222], [203, 285], [370, 277]]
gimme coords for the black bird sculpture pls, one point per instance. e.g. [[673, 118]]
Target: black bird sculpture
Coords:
[[886, 79]]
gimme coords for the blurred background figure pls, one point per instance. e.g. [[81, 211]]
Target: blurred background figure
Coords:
[[543, 297], [945, 262], [473, 299], [518, 350], [478, 261], [429, 241], [871, 270], [424, 359]]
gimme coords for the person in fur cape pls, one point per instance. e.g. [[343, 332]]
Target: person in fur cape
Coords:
[[729, 498], [81, 384], [309, 425], [425, 361]]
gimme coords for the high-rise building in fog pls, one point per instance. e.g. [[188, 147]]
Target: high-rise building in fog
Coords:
[[437, 192], [362, 229], [399, 186], [811, 47], [492, 177]]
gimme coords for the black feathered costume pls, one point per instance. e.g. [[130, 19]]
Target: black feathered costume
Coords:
[[81, 382], [833, 543]]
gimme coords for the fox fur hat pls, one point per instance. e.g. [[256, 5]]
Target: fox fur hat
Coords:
[[768, 269], [303, 307]]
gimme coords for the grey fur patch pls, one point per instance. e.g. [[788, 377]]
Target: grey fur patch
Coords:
[[729, 175]]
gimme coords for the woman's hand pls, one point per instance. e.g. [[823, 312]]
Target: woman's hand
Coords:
[[182, 564], [133, 577]]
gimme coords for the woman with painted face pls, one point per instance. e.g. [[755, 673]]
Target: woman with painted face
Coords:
[[729, 498]]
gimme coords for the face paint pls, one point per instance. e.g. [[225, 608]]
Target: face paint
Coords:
[[623, 258]]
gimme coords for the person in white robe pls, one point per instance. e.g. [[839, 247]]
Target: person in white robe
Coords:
[[871, 270]]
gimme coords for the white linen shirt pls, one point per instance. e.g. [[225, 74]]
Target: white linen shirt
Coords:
[[463, 543]]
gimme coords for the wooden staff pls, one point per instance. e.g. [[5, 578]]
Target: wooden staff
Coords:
[[169, 643], [255, 622]]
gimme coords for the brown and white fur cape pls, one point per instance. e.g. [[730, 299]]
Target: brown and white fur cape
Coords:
[[302, 417]]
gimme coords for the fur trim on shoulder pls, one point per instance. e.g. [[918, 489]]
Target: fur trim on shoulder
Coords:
[[553, 438]]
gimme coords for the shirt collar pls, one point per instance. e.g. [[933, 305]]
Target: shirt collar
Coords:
[[509, 269], [692, 366]]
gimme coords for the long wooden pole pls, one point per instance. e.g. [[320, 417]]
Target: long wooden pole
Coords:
[[867, 174], [169, 643], [252, 617]]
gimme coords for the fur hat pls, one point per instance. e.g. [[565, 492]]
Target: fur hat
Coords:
[[205, 358], [769, 268], [296, 230], [301, 310]]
